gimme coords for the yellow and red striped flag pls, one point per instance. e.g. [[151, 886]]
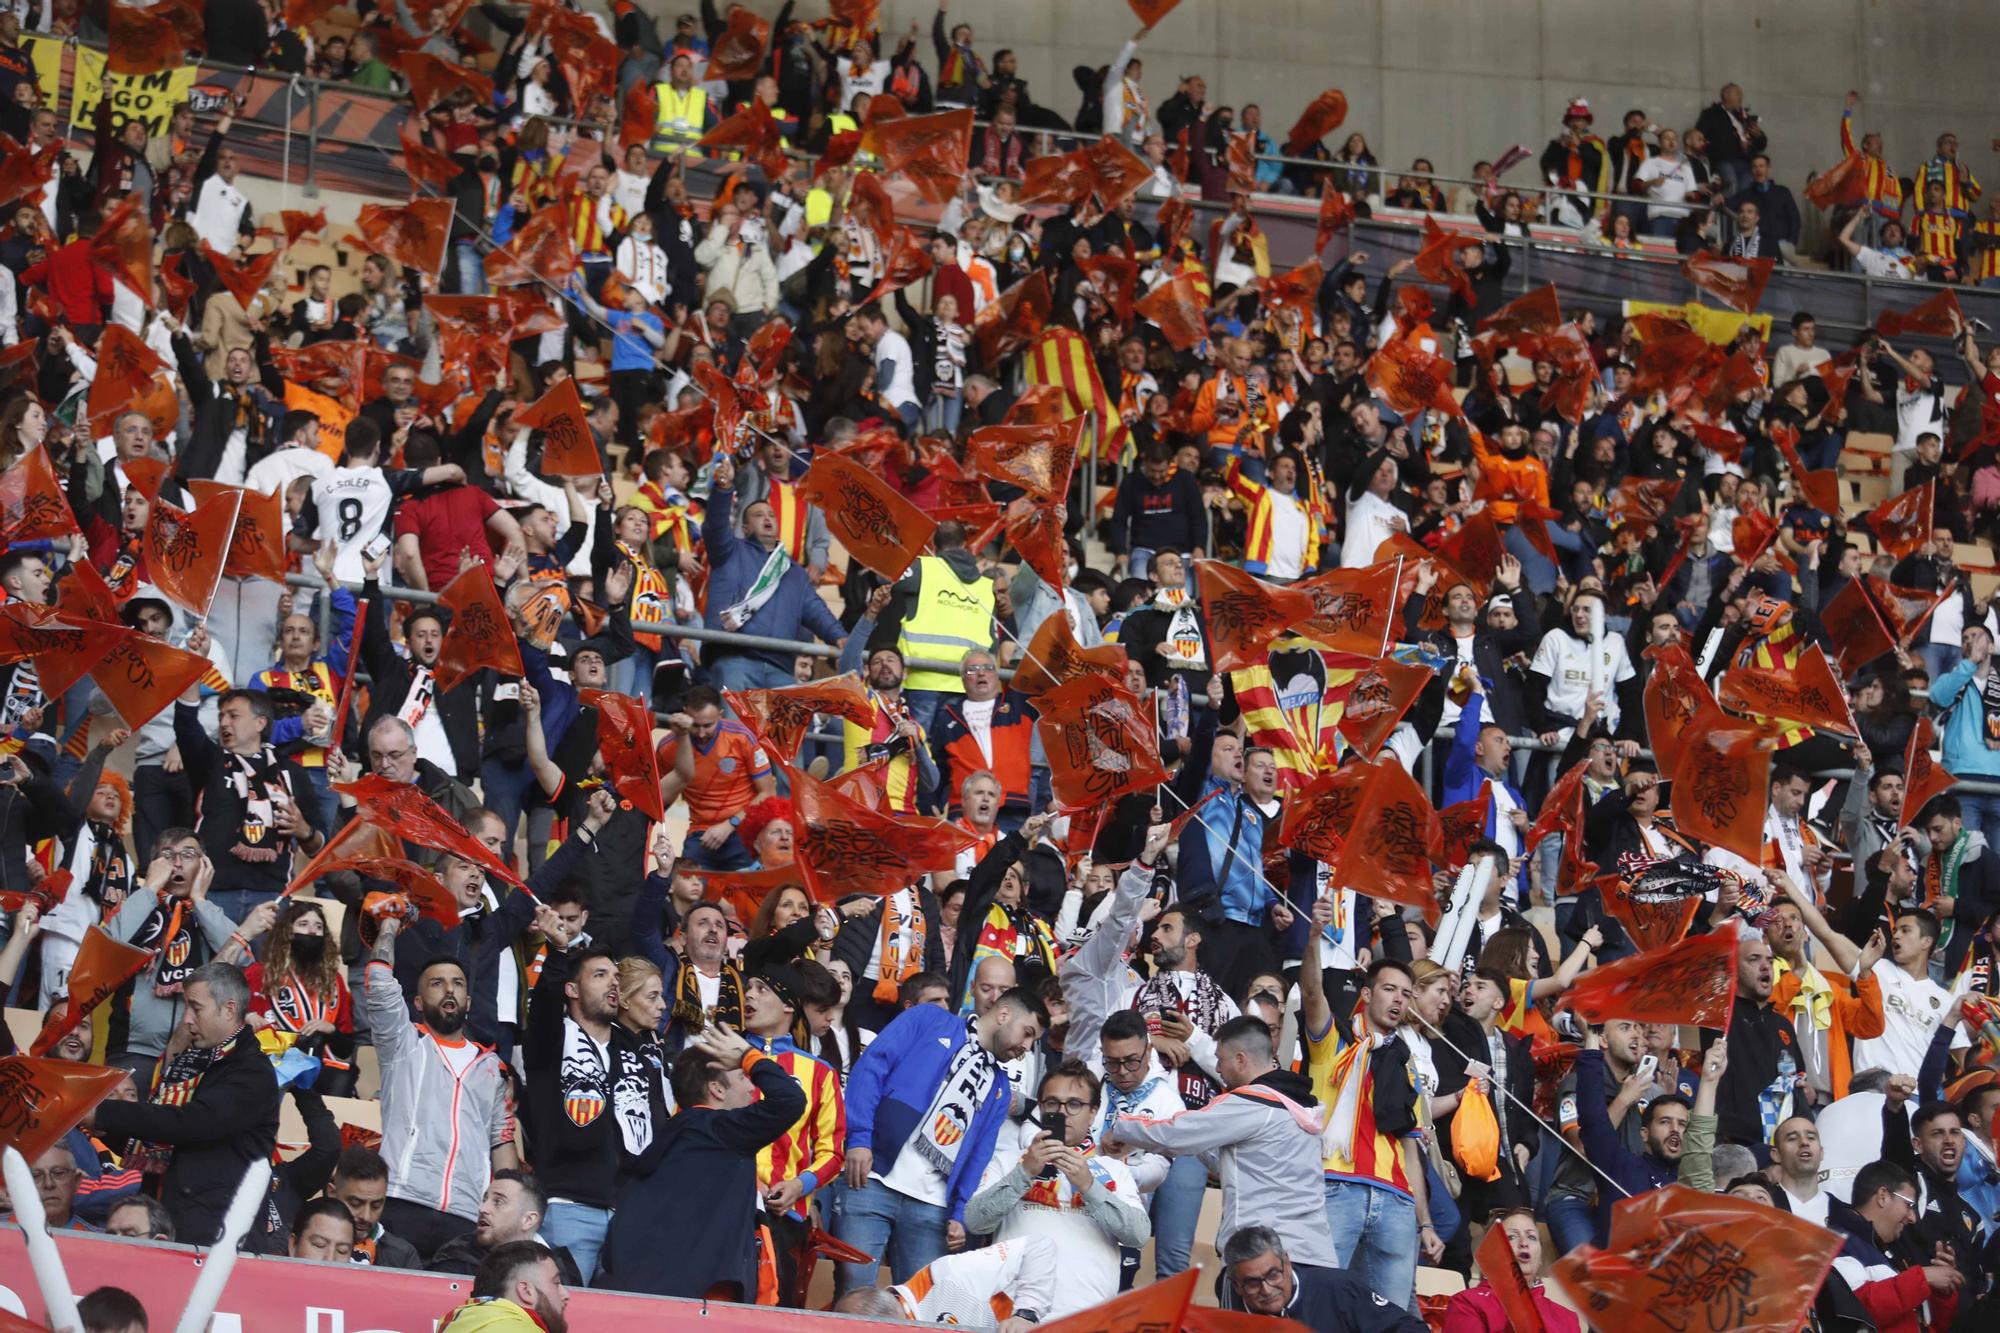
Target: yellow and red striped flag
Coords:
[[1061, 357]]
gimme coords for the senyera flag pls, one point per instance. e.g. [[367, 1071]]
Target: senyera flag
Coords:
[[625, 736], [1691, 982]]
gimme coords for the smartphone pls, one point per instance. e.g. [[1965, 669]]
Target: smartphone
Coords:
[[377, 547], [1649, 1065], [1058, 1126]]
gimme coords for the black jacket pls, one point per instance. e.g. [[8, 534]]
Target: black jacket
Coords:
[[661, 1245], [1332, 1300], [228, 824], [390, 674], [1490, 650], [463, 1255], [215, 413], [230, 1122]]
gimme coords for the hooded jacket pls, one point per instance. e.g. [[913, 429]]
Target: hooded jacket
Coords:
[[1894, 1297], [1265, 1138]]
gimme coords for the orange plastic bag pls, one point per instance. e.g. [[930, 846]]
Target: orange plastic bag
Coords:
[[1475, 1135]]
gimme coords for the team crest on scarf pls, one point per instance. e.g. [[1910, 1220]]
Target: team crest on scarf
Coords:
[[583, 1106], [947, 1129], [253, 831]]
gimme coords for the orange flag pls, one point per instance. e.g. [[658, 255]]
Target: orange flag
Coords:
[[1923, 777], [1300, 287], [357, 839], [1539, 312], [1038, 458], [124, 243], [1841, 185], [1836, 377], [403, 811], [423, 164], [1641, 503], [185, 551], [1752, 534], [149, 39], [125, 369], [1904, 611], [1116, 278], [1053, 657], [1808, 694], [929, 151], [1721, 783], [1821, 488], [752, 131], [1902, 523], [257, 546], [1562, 808], [432, 79], [844, 847], [1395, 836], [745, 890], [246, 279], [877, 525], [1854, 624], [1939, 317], [32, 502], [1376, 702], [625, 736], [1244, 613], [1319, 819], [1675, 694], [23, 171], [141, 675], [1150, 12], [640, 112], [739, 48], [840, 148], [781, 717], [1693, 982], [1438, 262], [412, 234], [425, 890], [1176, 306], [1510, 1285], [1175, 217], [1036, 531], [1465, 824], [1165, 1304], [1686, 1259], [46, 1098], [869, 204], [1116, 172], [1653, 920], [1335, 212], [297, 222], [1010, 323], [568, 448], [1412, 380], [1322, 116], [1242, 162], [542, 247], [1354, 610], [480, 634], [1101, 740], [906, 261], [101, 966], [1737, 283]]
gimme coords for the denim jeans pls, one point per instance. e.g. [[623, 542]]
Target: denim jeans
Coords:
[[943, 412], [236, 904], [326, 801], [1375, 1234], [1982, 815], [743, 671], [1139, 562], [1572, 1222], [580, 1229], [877, 1220], [731, 855], [634, 676], [1537, 569], [1176, 1211], [471, 269], [506, 788], [1939, 658]]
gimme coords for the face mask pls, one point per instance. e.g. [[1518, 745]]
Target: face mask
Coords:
[[308, 948]]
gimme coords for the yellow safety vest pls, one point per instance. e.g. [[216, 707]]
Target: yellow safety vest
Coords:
[[680, 120], [947, 619]]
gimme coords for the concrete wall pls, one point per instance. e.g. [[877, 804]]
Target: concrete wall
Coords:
[[1458, 80]]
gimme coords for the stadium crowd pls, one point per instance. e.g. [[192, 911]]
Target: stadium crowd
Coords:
[[1105, 864]]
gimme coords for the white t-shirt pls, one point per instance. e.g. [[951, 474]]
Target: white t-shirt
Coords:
[[1918, 412], [1676, 179], [1371, 520], [276, 471], [1877, 264], [1912, 1008], [895, 348], [1289, 531], [353, 505], [1086, 1258], [913, 1174], [1565, 660], [1452, 708], [1812, 1210]]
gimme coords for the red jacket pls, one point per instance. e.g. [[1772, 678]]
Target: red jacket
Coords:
[[1477, 1310], [80, 286]]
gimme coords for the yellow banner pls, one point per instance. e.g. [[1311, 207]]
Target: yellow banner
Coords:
[[1718, 326], [146, 97]]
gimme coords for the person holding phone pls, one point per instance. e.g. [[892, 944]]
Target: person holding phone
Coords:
[[1062, 1186]]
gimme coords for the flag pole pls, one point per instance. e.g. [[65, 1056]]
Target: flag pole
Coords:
[[58, 1300], [347, 678]]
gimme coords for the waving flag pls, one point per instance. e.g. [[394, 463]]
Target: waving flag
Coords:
[[186, 550], [47, 1098], [400, 809], [1101, 741], [1322, 116], [1038, 459], [1395, 837], [1737, 283], [625, 737], [1244, 614], [568, 448], [877, 525], [1904, 522], [1721, 784], [1179, 310], [930, 152], [844, 847], [1923, 777], [781, 717], [32, 502], [1335, 212], [1692, 982], [1938, 317], [1054, 657], [1807, 693], [102, 965], [480, 634]]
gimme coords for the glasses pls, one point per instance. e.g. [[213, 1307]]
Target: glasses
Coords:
[[55, 1177], [1125, 1061], [1274, 1280], [1050, 1106], [1905, 1200], [982, 669], [381, 757], [183, 855]]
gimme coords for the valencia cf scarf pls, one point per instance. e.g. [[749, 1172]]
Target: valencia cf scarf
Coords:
[[177, 939]]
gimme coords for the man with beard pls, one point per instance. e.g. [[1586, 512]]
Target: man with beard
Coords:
[[703, 985], [519, 1287], [444, 1097], [446, 724], [1480, 647], [1662, 1131], [1827, 1010], [215, 1106], [895, 733], [1872, 817]]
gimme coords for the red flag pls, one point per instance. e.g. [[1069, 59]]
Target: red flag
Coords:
[[625, 736], [1322, 116], [46, 1098], [1335, 212], [1150, 12], [869, 204], [781, 717], [412, 234], [423, 164], [125, 369], [1010, 323], [1902, 523], [85, 593], [1842, 185], [1053, 657], [1510, 1285], [1177, 307], [1036, 531], [1752, 534], [906, 261], [257, 544], [930, 152], [1562, 808], [141, 675], [1395, 837], [124, 243], [1116, 279], [1720, 787], [640, 112], [1242, 162], [1299, 288], [1641, 503], [1904, 611], [1319, 819], [1102, 742], [1690, 982], [568, 448], [1836, 377], [185, 551], [1737, 283], [543, 248], [752, 130], [1038, 458], [23, 171], [1821, 488], [1539, 312], [840, 150], [32, 502], [297, 222], [1685, 1259], [357, 839], [877, 525], [101, 966], [738, 52], [480, 634], [1377, 700], [1939, 317], [1412, 380], [403, 811], [1675, 694], [1923, 777], [1116, 172], [1808, 694], [1243, 613], [246, 279], [1354, 610], [1175, 217], [844, 847]]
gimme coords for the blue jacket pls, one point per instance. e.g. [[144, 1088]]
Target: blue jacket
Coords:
[[1464, 780], [1964, 728], [735, 564], [892, 1086], [1636, 1173]]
